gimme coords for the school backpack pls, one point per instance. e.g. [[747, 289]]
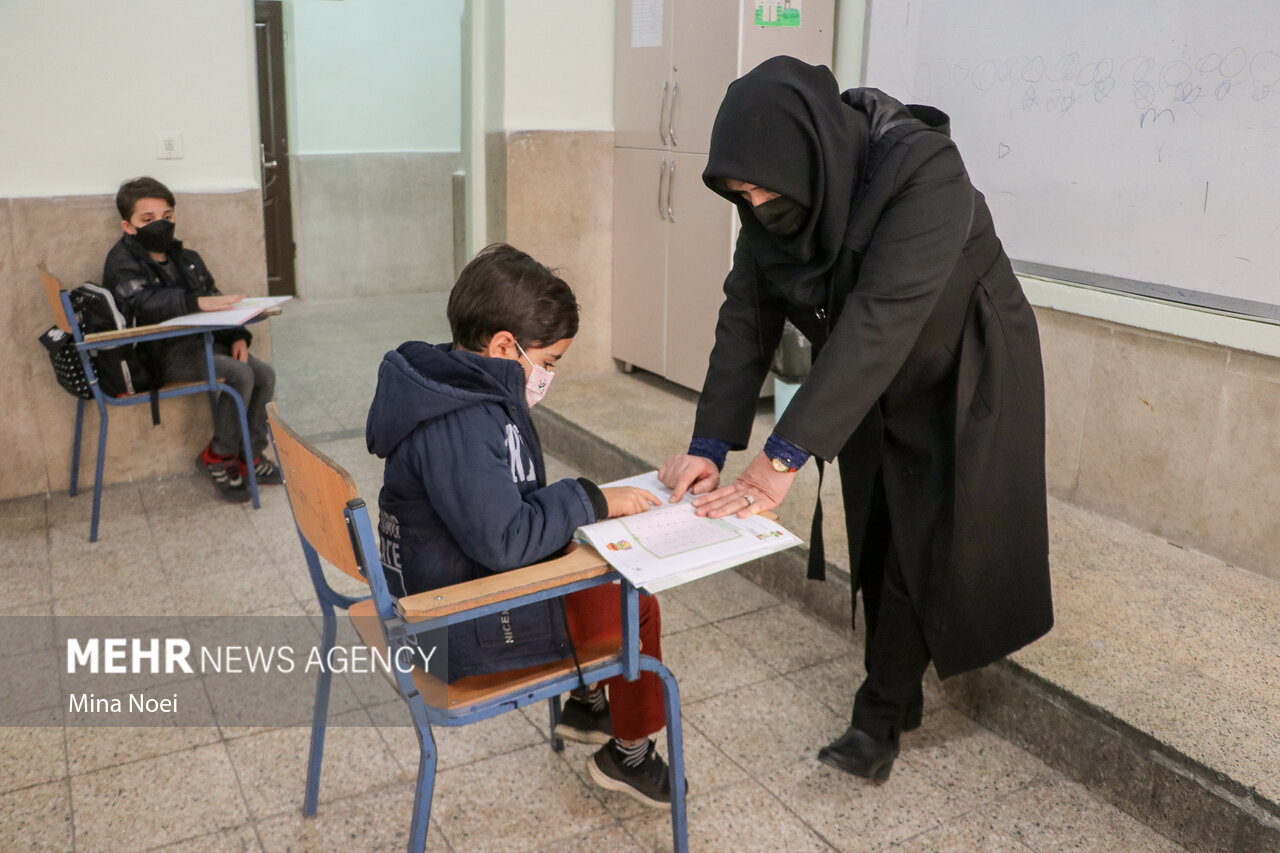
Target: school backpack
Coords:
[[66, 362], [121, 370]]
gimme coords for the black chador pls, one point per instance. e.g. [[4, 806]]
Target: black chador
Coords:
[[927, 383]]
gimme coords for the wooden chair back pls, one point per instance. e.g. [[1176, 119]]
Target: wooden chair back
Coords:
[[319, 490], [52, 292]]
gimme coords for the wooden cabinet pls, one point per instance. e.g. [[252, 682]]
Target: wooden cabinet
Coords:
[[673, 238], [640, 258]]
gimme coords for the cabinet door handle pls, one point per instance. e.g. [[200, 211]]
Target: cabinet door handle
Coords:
[[671, 114], [671, 179], [662, 176], [662, 111]]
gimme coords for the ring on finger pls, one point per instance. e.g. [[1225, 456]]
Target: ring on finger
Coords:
[[749, 499]]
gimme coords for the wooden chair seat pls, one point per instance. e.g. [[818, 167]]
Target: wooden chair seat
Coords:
[[477, 689]]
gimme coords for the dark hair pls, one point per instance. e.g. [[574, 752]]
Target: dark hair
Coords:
[[131, 192], [505, 290]]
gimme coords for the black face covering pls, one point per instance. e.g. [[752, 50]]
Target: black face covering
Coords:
[[782, 126], [781, 216], [155, 236]]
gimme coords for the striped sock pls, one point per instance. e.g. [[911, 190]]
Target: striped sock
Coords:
[[593, 698], [634, 755]]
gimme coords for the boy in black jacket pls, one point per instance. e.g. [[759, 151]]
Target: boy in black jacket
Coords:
[[153, 279], [465, 495]]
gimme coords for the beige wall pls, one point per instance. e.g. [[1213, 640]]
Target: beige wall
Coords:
[[1177, 437], [559, 191], [71, 235]]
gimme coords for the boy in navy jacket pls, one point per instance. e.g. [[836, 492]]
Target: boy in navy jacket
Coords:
[[465, 495]]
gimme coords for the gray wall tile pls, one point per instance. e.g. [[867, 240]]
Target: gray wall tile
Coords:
[[374, 224]]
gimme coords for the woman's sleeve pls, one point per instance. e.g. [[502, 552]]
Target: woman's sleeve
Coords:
[[747, 333], [910, 258], [466, 465]]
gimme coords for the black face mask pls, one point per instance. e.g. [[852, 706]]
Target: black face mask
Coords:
[[781, 216], [156, 236]]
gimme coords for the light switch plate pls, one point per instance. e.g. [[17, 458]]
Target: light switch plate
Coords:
[[169, 145]]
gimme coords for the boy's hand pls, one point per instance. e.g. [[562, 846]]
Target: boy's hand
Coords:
[[683, 472], [240, 350], [220, 302], [628, 500]]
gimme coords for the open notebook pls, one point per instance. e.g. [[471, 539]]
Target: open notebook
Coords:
[[670, 545], [244, 311]]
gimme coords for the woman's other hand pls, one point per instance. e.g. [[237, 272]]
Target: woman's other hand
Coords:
[[628, 500], [683, 472], [761, 487]]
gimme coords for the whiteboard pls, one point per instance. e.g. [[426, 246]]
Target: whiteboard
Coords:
[[1127, 144]]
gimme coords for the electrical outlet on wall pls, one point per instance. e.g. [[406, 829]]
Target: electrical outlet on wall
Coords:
[[169, 145]]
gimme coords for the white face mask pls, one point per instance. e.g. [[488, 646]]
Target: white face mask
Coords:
[[539, 381]]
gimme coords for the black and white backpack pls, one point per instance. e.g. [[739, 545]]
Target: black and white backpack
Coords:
[[121, 370], [66, 362]]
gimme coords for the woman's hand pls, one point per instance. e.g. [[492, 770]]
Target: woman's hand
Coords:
[[628, 500], [683, 472], [760, 487]]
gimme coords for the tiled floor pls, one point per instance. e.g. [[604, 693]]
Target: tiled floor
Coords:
[[764, 687]]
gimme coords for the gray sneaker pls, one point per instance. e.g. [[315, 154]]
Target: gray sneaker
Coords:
[[579, 723], [650, 783]]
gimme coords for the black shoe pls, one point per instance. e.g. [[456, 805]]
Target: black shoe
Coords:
[[650, 783], [579, 723], [860, 754], [266, 472], [915, 716], [225, 474]]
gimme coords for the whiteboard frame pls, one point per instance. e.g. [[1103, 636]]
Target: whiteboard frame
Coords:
[[1194, 322], [1244, 308]]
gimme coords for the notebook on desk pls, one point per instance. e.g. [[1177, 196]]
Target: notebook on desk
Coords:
[[671, 545], [245, 310]]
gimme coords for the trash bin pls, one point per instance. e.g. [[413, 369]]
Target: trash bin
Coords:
[[791, 363]]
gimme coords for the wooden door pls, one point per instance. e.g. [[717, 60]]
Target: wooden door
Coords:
[[277, 213], [640, 257], [699, 254], [642, 71], [704, 61]]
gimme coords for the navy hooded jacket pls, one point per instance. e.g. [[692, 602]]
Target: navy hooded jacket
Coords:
[[464, 495]]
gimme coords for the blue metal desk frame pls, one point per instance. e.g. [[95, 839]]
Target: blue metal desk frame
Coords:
[[211, 386], [396, 632]]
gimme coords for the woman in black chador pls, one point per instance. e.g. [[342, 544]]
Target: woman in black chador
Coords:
[[860, 225]]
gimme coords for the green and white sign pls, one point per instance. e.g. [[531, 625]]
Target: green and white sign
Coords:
[[778, 13]]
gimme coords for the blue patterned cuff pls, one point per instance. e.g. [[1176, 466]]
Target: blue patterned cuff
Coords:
[[709, 448], [779, 448]]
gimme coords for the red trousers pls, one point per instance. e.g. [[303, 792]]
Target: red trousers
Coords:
[[596, 614]]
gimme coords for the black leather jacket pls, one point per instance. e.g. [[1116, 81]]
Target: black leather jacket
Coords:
[[146, 292]]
